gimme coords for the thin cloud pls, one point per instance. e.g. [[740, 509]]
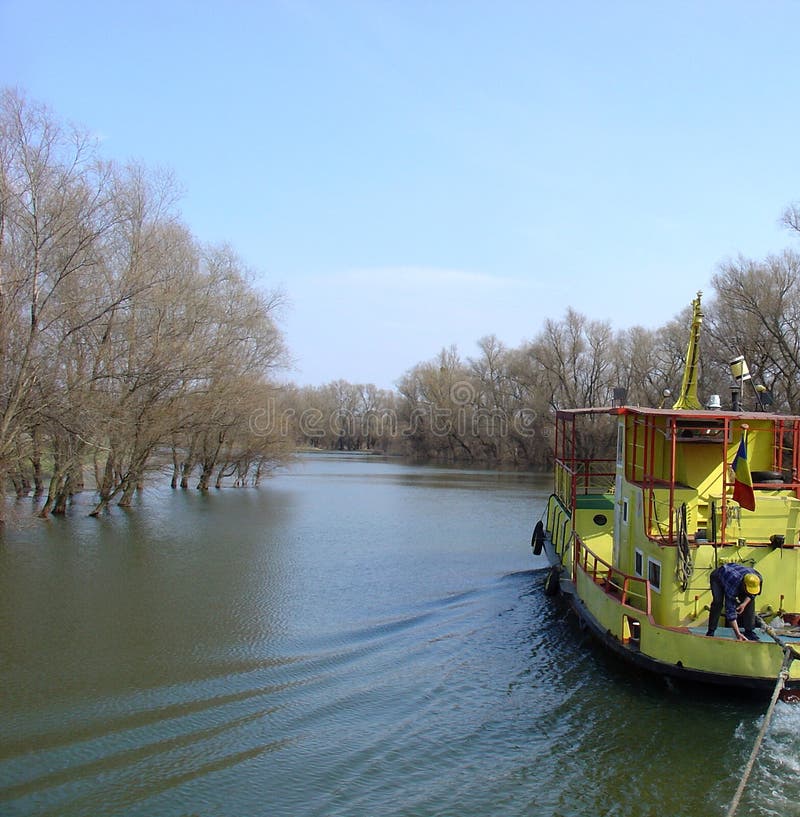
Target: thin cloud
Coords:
[[404, 277]]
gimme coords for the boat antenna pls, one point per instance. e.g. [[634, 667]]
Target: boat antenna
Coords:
[[688, 396]]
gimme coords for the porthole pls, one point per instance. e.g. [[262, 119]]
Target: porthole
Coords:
[[600, 519]]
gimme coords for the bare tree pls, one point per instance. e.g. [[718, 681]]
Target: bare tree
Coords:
[[791, 217], [757, 313], [576, 356], [53, 214]]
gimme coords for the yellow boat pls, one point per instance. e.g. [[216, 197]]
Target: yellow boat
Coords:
[[643, 510]]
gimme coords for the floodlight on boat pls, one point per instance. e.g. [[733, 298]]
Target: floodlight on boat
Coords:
[[739, 369]]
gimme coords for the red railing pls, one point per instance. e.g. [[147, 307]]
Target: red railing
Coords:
[[632, 591], [579, 477]]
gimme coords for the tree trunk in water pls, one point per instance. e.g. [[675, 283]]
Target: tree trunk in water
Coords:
[[106, 488], [64, 493], [186, 470], [176, 468], [105, 483], [36, 459], [55, 484], [52, 493], [21, 485], [128, 491], [60, 508], [2, 496], [205, 478], [100, 507], [187, 466]]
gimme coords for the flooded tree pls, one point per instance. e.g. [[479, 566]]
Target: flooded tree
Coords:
[[117, 328], [54, 214]]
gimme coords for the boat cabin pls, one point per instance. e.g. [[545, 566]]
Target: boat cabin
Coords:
[[648, 494]]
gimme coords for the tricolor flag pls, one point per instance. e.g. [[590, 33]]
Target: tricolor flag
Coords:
[[742, 481]]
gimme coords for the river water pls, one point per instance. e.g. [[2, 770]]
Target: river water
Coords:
[[356, 637]]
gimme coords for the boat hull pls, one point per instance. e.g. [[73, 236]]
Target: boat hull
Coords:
[[675, 653]]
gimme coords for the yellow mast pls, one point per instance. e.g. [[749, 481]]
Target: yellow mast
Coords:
[[688, 396]]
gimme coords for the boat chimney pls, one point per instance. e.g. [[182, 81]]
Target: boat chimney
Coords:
[[714, 403]]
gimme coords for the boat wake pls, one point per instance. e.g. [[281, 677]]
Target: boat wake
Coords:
[[316, 723]]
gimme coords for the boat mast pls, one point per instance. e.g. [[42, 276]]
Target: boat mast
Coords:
[[688, 396]]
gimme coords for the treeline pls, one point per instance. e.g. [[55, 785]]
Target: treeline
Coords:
[[128, 346], [497, 407]]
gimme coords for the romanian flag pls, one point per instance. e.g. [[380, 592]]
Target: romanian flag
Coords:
[[742, 481]]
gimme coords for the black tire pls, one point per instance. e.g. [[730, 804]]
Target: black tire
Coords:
[[537, 540], [552, 584], [770, 477]]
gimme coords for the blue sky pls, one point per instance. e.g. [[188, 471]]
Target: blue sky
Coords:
[[421, 174]]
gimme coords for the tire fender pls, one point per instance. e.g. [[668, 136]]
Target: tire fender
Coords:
[[537, 540]]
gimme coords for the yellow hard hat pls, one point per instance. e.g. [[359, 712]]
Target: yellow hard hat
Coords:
[[752, 584]]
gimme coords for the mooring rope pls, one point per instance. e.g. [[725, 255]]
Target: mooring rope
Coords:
[[788, 657]]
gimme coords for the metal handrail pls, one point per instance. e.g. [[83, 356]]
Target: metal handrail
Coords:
[[579, 477], [613, 580]]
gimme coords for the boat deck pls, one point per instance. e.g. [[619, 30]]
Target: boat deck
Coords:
[[595, 501], [789, 636]]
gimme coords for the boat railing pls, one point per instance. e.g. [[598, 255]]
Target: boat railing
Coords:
[[718, 520], [661, 517], [579, 477], [632, 591]]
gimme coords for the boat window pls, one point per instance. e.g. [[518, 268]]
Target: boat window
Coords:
[[638, 563], [654, 574], [707, 431], [625, 511]]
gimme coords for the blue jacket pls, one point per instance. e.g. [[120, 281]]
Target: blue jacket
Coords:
[[731, 576]]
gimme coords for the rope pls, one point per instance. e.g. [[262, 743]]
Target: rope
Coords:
[[683, 566], [788, 657], [770, 631]]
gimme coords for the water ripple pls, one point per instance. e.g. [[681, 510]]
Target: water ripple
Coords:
[[337, 653]]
